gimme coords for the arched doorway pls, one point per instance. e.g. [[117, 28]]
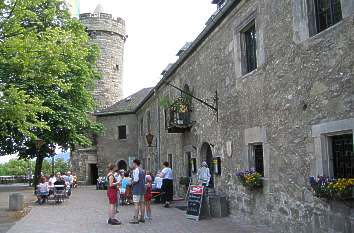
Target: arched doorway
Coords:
[[122, 165], [207, 155]]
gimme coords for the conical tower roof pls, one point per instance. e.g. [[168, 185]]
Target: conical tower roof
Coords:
[[99, 9]]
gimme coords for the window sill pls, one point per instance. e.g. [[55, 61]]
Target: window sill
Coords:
[[321, 34], [245, 76]]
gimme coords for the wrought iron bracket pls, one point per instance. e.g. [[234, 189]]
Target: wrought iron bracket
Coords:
[[215, 98]]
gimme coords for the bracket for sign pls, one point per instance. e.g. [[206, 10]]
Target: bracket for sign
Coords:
[[215, 99]]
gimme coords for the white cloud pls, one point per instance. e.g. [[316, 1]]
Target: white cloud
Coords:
[[157, 29]]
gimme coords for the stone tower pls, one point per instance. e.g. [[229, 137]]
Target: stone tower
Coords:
[[108, 34]]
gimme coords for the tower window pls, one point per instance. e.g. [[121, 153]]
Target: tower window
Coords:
[[327, 13], [122, 132], [249, 52]]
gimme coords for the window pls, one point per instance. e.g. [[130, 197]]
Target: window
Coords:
[[122, 132], [170, 160], [165, 112], [327, 13], [343, 156], [249, 37], [141, 127], [258, 158], [148, 119]]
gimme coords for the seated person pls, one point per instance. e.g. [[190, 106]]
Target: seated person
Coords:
[[60, 181], [42, 191]]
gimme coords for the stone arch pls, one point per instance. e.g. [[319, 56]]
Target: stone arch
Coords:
[[206, 154]]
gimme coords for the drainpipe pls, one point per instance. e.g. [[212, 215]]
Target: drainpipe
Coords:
[[158, 138]]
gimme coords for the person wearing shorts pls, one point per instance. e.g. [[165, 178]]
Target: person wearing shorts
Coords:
[[138, 186]]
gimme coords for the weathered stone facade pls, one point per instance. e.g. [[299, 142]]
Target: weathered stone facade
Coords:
[[110, 148], [300, 95], [109, 35]]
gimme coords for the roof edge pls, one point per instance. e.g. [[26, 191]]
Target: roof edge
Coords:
[[103, 114]]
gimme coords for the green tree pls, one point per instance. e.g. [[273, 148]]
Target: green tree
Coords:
[[15, 167], [47, 69]]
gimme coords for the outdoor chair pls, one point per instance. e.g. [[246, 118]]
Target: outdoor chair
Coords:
[[59, 193]]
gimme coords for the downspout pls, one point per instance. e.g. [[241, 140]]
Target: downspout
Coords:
[[158, 137]]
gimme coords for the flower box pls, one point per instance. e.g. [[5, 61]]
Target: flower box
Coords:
[[250, 179], [330, 188]]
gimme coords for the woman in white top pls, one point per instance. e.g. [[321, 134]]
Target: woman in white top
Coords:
[[167, 184], [204, 174]]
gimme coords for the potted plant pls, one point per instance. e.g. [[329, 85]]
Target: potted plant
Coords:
[[250, 179]]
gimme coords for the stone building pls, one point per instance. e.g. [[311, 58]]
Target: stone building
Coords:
[[274, 82], [109, 35], [119, 143]]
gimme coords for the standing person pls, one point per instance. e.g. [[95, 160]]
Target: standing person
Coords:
[[112, 195], [138, 187], [167, 184], [127, 188], [69, 183], [203, 174], [148, 196]]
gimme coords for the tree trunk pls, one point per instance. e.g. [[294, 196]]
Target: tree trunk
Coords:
[[37, 170]]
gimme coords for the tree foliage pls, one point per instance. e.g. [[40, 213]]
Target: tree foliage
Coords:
[[20, 167], [47, 69]]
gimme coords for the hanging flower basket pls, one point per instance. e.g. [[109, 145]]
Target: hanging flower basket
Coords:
[[250, 179]]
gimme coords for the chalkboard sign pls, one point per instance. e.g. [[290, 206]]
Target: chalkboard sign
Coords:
[[194, 204]]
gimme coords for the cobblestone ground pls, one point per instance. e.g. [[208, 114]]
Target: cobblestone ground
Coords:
[[86, 212]]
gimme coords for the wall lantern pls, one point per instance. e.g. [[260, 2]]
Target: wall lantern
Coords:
[[149, 139]]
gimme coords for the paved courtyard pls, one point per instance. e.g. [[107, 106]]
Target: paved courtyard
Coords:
[[86, 212], [8, 218]]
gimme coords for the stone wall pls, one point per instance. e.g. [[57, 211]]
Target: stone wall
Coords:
[[109, 35], [299, 83], [80, 160], [111, 149]]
